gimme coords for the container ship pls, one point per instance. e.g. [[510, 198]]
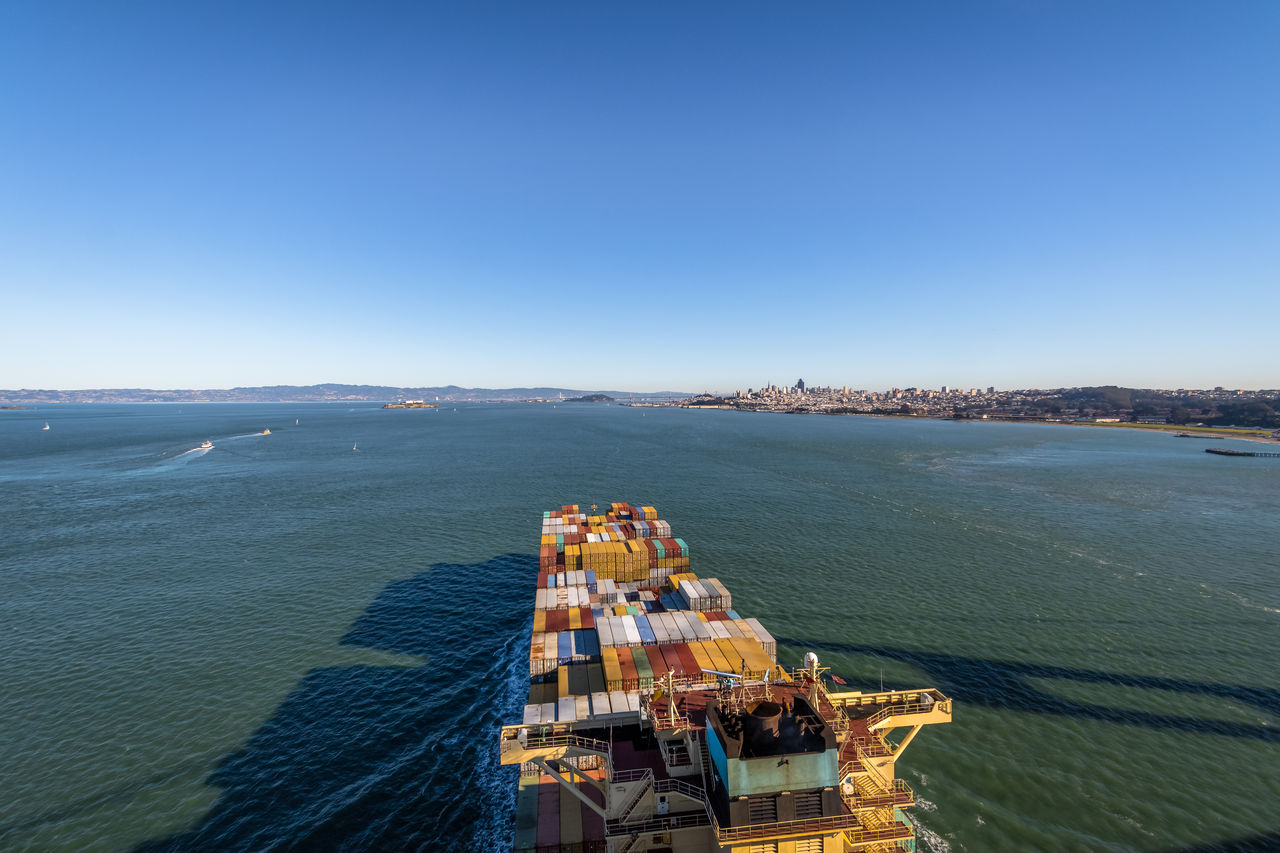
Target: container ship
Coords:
[[659, 719]]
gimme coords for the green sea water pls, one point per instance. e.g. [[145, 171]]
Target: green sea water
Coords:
[[285, 643]]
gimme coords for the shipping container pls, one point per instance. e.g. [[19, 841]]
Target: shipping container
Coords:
[[670, 660], [717, 657], [633, 632], [644, 672], [647, 636], [657, 664], [758, 662], [766, 639], [612, 669], [702, 658], [595, 677], [548, 813], [731, 655], [630, 678], [691, 667], [526, 828]]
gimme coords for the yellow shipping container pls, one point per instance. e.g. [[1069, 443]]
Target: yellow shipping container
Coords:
[[717, 657], [731, 654], [757, 661], [539, 621], [612, 670], [704, 661], [575, 619], [562, 682]]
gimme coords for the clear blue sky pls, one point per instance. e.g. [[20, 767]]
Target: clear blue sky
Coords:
[[640, 196]]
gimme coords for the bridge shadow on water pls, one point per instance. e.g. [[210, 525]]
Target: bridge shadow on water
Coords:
[[388, 758], [1004, 685]]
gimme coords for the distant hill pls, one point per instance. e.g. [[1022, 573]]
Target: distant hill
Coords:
[[590, 398], [327, 392]]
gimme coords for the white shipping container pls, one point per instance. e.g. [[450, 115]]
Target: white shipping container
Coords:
[[605, 632], [633, 630], [600, 706], [767, 642], [705, 634], [548, 712], [633, 701], [532, 715], [618, 702], [583, 707], [693, 627], [726, 597], [540, 600], [566, 710]]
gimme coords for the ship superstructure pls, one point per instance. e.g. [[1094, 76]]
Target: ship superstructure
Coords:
[[658, 719]]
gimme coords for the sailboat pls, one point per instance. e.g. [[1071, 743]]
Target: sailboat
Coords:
[[353, 447]]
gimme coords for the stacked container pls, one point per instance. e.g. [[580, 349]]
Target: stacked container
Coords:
[[616, 610]]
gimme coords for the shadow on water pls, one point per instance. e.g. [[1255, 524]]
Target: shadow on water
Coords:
[[1268, 843], [1004, 685], [387, 758]]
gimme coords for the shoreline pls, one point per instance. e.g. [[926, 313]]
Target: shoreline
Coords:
[[1243, 434], [1170, 429]]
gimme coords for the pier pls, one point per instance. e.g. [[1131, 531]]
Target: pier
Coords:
[[1222, 451]]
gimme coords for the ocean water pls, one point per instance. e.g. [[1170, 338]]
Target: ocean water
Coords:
[[283, 643]]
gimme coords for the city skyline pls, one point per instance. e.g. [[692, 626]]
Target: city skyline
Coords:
[[1008, 194]]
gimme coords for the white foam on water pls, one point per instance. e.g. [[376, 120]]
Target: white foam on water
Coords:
[[932, 840]]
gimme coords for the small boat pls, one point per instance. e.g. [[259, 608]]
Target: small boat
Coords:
[[46, 425], [265, 432], [206, 445], [353, 447]]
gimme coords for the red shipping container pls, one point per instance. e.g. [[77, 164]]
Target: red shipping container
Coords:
[[557, 620], [630, 678], [691, 667], [656, 662], [672, 658]]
